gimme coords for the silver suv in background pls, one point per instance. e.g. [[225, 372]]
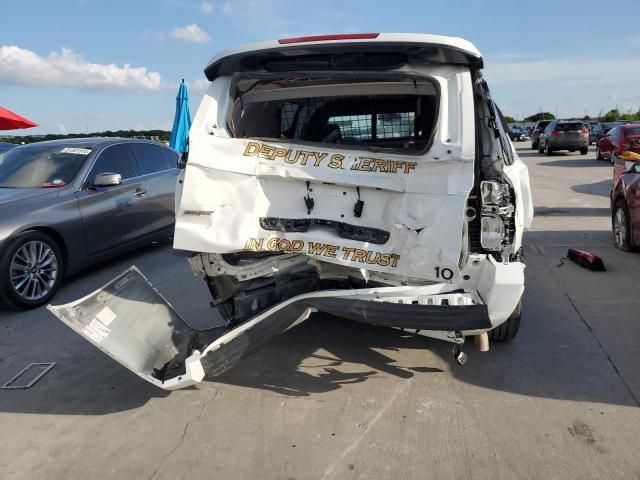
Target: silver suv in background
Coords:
[[564, 135]]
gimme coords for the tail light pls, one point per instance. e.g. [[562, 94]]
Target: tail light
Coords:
[[555, 133], [584, 131], [586, 259], [324, 38]]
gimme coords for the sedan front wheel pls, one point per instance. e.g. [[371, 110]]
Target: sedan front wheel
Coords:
[[621, 225], [31, 270]]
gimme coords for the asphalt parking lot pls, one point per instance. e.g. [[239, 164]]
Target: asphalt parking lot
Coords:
[[334, 399]]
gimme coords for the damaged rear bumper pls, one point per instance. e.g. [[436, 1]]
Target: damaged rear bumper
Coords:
[[132, 323]]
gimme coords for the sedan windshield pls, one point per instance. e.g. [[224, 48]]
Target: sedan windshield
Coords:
[[33, 166]]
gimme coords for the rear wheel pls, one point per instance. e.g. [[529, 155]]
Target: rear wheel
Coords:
[[534, 145], [598, 154], [621, 226], [509, 329], [583, 151], [611, 155], [31, 270], [548, 150]]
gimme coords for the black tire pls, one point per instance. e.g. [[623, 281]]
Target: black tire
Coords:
[[9, 296], [534, 145], [621, 236], [547, 151], [540, 148], [584, 151], [598, 154], [509, 329]]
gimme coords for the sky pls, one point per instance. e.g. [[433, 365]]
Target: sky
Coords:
[[93, 65]]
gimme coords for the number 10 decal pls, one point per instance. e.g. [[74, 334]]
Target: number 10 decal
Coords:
[[444, 273]]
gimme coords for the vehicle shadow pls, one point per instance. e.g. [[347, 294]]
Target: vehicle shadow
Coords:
[[352, 352], [571, 212], [601, 188], [576, 162]]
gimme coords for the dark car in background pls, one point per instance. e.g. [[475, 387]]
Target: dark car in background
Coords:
[[538, 128], [67, 204], [618, 140], [569, 135], [595, 129], [625, 209], [518, 134]]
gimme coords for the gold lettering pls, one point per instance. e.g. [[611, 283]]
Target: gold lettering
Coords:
[[296, 245], [408, 166], [384, 260], [372, 257], [317, 248], [331, 251], [347, 252], [280, 152], [319, 158], [252, 149], [365, 164], [359, 255], [336, 161], [266, 152], [272, 244], [379, 166]]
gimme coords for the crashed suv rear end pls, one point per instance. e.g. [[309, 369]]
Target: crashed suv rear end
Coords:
[[370, 177]]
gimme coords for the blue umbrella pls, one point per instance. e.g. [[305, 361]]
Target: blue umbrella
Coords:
[[181, 122]]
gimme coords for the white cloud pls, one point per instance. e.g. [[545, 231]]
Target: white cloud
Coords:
[[66, 68], [206, 8], [199, 86], [226, 8], [62, 129], [190, 33]]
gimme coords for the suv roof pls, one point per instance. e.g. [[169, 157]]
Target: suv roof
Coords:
[[258, 56]]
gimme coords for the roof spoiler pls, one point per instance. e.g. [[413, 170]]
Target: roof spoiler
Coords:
[[325, 56]]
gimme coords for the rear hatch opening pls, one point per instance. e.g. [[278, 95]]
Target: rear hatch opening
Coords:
[[378, 113]]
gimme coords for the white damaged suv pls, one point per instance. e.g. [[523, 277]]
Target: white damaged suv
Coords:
[[368, 176]]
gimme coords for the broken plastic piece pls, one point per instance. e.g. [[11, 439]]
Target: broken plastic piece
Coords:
[[586, 259]]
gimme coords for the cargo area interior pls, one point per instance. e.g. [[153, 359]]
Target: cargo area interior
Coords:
[[378, 113]]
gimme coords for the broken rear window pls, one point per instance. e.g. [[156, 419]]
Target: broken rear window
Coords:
[[398, 115]]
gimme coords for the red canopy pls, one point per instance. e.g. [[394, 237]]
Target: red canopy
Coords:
[[13, 121]]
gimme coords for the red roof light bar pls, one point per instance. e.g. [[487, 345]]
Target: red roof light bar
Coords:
[[323, 38]]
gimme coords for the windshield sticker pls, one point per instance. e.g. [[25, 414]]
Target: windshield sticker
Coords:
[[54, 183], [317, 159], [348, 254], [76, 151]]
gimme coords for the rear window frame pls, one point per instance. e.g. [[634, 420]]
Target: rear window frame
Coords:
[[364, 76], [635, 128]]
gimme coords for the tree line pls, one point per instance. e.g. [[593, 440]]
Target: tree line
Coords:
[[610, 116], [160, 135]]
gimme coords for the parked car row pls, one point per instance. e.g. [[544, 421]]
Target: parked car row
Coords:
[[67, 204]]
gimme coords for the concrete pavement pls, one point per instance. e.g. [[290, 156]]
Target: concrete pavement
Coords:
[[336, 399]]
